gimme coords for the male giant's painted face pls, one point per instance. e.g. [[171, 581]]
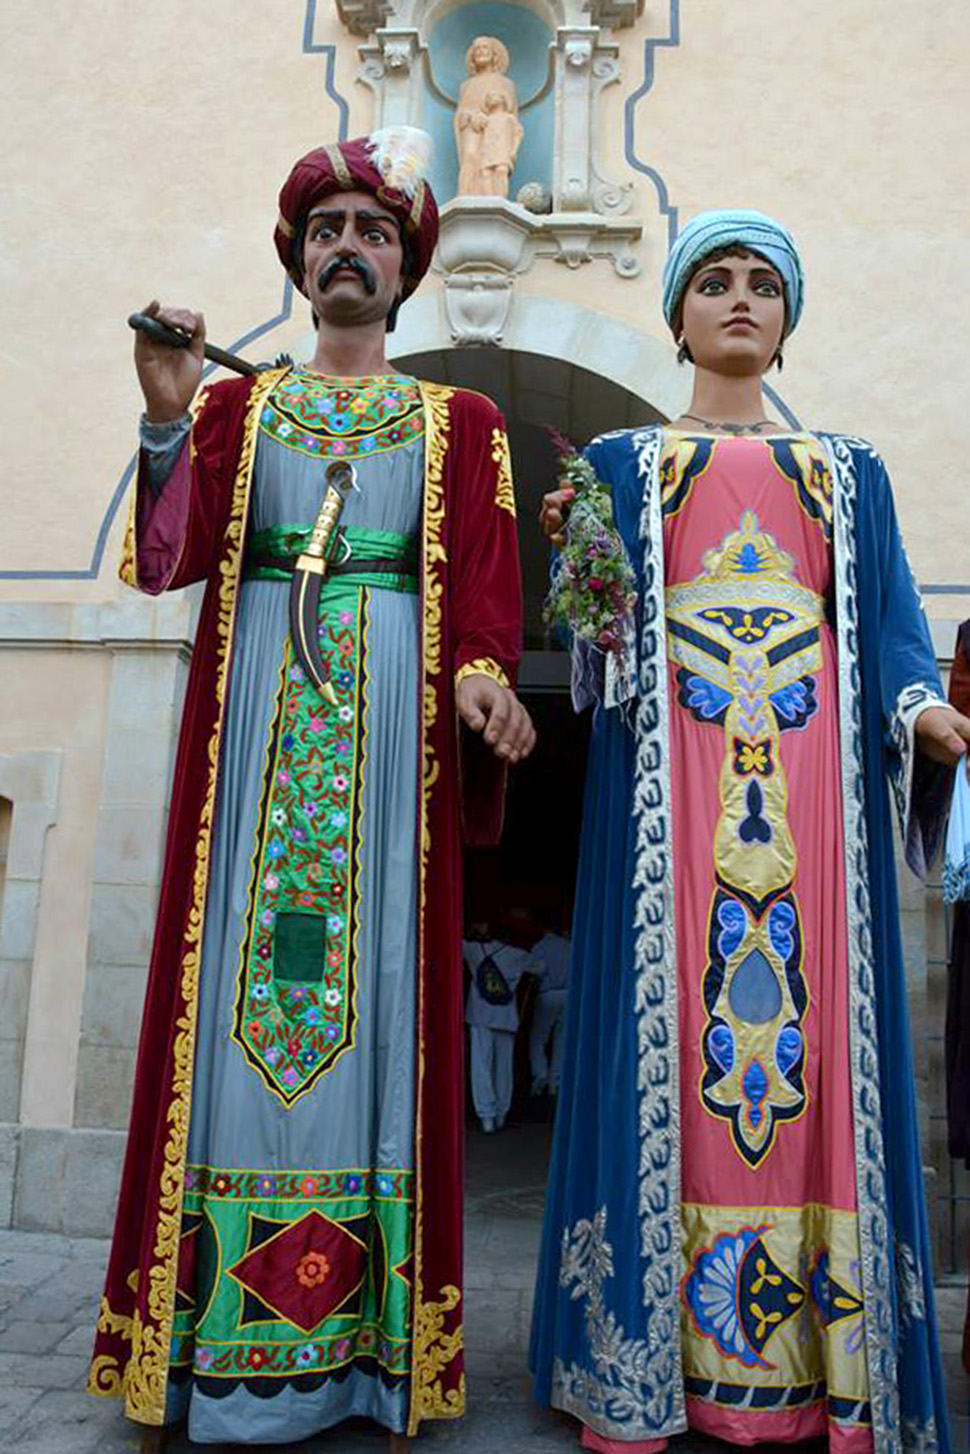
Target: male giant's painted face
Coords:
[[377, 204], [352, 260]]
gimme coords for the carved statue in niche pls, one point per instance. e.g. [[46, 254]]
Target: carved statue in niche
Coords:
[[487, 129]]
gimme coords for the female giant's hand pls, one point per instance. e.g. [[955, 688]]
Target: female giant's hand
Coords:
[[554, 512]]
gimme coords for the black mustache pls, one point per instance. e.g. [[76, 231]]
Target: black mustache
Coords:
[[356, 264]]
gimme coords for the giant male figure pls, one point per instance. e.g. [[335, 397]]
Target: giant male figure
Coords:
[[288, 1245]]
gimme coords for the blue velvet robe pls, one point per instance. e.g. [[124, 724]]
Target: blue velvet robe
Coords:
[[605, 1339]]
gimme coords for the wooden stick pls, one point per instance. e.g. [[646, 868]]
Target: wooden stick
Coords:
[[175, 338]]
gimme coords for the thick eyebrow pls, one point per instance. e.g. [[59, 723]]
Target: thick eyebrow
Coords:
[[363, 215]]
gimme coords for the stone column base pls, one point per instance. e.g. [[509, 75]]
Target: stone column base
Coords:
[[58, 1180]]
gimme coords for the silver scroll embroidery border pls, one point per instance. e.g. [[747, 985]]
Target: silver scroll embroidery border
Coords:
[[612, 1399], [876, 1249], [655, 959], [657, 1360], [920, 1436], [913, 699]]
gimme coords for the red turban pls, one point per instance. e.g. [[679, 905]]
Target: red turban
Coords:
[[352, 166]]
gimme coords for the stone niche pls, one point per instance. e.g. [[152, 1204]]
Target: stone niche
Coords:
[[562, 205]]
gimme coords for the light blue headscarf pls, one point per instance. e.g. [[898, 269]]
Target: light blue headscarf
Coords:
[[709, 231]]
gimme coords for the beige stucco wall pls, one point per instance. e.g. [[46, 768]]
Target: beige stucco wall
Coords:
[[144, 145]]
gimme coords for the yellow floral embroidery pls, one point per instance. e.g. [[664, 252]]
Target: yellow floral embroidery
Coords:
[[504, 489]]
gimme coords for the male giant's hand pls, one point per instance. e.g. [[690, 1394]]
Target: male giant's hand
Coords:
[[943, 734], [495, 711], [168, 376]]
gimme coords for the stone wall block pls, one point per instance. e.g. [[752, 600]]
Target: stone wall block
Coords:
[[14, 997], [114, 997], [122, 923], [9, 1144], [105, 1075], [144, 691], [18, 925], [29, 826], [11, 1071], [135, 618], [67, 1181], [129, 844], [138, 765], [35, 621]]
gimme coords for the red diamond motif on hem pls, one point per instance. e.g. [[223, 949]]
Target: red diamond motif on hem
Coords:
[[306, 1271]]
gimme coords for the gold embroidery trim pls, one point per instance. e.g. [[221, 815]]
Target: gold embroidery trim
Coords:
[[105, 1376], [417, 207], [284, 226], [127, 566], [431, 1350], [504, 489], [195, 409], [145, 1377], [434, 1349], [483, 666], [340, 168]]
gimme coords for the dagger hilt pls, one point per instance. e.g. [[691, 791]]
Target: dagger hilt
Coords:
[[341, 479]]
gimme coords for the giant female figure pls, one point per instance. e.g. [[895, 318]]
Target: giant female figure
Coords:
[[735, 1234]]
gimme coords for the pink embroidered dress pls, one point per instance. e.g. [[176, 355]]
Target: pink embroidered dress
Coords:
[[771, 1306], [770, 1295]]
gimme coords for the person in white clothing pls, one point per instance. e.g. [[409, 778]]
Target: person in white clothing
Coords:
[[492, 1014], [551, 957]]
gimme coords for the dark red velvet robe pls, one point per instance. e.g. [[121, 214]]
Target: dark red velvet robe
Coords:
[[471, 615]]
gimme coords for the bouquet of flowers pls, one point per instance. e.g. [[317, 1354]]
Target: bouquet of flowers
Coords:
[[592, 592]]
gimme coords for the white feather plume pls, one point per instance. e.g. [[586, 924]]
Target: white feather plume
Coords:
[[401, 154]]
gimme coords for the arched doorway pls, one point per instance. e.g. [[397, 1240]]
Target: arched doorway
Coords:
[[535, 868], [527, 885]]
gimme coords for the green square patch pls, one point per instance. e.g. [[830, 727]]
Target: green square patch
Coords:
[[299, 948]]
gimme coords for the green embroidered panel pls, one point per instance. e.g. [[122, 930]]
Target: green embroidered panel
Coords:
[[294, 1275], [295, 1001]]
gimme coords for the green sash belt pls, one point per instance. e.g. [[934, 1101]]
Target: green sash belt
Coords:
[[381, 558]]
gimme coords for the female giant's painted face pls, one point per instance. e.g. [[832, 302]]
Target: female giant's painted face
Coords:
[[732, 315]]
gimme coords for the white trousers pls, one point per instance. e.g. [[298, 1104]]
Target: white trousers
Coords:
[[548, 1018], [492, 1054]]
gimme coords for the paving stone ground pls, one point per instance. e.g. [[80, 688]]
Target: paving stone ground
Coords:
[[49, 1289]]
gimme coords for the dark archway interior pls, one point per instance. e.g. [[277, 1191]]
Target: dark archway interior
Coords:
[[536, 393], [528, 883]]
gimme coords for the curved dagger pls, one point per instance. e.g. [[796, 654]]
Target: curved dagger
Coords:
[[308, 577]]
